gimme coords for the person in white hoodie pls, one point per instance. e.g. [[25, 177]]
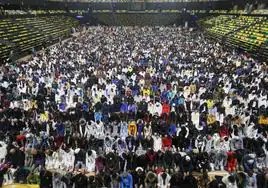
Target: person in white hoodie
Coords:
[[229, 181], [147, 131], [220, 148], [200, 143], [3, 151], [157, 142], [91, 156], [89, 130], [158, 109], [49, 163], [264, 147], [57, 159], [251, 180], [151, 108], [263, 100], [251, 131], [98, 129], [163, 180], [208, 144], [68, 159], [123, 129]]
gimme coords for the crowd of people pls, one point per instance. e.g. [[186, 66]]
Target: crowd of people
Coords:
[[135, 107]]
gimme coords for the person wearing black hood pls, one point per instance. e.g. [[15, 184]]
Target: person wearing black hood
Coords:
[[80, 180], [139, 177], [202, 162], [159, 158], [148, 142], [249, 162], [187, 165], [67, 179], [112, 162], [105, 111], [217, 183], [151, 180], [176, 180], [169, 159], [190, 181], [131, 161], [45, 179], [91, 182], [16, 157], [80, 158], [143, 106]]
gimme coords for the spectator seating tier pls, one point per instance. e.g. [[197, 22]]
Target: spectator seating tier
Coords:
[[24, 34], [249, 33]]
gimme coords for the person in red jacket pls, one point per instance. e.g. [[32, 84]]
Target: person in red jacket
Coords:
[[166, 142], [224, 131], [165, 111], [165, 108], [20, 139], [231, 161], [150, 157]]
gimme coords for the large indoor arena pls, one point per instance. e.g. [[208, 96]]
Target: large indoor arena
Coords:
[[133, 94]]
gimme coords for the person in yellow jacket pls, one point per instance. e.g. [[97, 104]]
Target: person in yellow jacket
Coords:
[[210, 103], [132, 129], [150, 70], [192, 88], [263, 120], [130, 69], [211, 119], [44, 117], [34, 104], [68, 85], [146, 92]]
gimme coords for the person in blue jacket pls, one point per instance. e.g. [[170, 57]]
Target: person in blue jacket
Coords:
[[60, 129], [126, 180], [98, 116], [172, 130]]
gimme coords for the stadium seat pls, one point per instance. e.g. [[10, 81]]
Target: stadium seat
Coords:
[[249, 33], [28, 33]]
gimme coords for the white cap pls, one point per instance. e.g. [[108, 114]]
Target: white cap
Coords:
[[139, 168], [187, 158]]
